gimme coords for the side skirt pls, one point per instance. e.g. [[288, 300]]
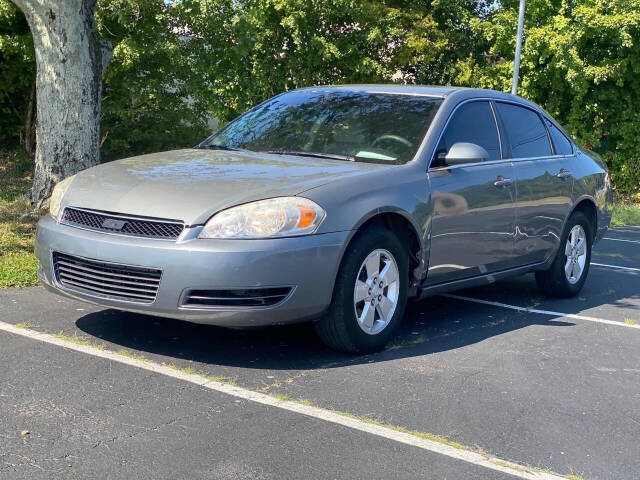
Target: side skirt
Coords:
[[486, 279]]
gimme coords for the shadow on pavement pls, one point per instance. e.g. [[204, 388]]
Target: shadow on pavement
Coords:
[[604, 287], [431, 326]]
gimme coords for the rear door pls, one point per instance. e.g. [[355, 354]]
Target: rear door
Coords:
[[544, 183], [473, 221]]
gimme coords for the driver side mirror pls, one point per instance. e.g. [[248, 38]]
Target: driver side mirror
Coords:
[[463, 152]]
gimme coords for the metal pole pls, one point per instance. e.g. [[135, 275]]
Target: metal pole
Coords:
[[516, 60]]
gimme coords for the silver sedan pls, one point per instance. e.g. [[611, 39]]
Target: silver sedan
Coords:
[[333, 205]]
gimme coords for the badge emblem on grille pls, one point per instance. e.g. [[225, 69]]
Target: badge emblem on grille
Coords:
[[112, 224]]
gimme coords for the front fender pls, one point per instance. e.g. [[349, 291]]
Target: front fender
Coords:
[[351, 202]]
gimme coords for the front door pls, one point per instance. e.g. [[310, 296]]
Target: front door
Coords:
[[473, 205]]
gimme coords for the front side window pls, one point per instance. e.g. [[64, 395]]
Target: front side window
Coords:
[[525, 132], [472, 122], [341, 124], [561, 144]]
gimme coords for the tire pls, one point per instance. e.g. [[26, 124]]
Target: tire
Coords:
[[555, 282], [340, 328]]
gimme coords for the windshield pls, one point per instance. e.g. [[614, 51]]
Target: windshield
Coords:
[[347, 125]]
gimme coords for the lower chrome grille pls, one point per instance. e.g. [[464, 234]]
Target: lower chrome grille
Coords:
[[252, 297], [106, 280]]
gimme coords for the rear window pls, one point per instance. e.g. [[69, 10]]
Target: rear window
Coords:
[[525, 132], [561, 144]]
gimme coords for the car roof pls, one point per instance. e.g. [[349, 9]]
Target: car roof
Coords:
[[427, 90]]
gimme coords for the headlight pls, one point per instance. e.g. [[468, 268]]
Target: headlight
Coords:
[[58, 194], [275, 217]]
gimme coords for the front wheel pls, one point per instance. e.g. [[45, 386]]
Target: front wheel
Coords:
[[370, 293], [569, 270]]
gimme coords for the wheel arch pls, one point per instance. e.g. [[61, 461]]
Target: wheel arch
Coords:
[[588, 207], [398, 221]]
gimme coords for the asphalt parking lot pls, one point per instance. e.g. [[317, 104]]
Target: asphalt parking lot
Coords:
[[552, 385]]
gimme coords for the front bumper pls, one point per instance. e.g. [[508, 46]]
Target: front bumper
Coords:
[[308, 263]]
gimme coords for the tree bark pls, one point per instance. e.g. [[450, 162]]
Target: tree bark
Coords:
[[70, 59]]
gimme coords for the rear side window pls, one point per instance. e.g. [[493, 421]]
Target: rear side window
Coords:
[[525, 131], [561, 144], [473, 122]]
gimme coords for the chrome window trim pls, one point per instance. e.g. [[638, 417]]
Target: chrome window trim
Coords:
[[503, 160], [497, 162], [495, 120]]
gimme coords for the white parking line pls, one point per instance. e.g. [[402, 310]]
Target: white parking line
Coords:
[[621, 240], [542, 312], [493, 463], [616, 267]]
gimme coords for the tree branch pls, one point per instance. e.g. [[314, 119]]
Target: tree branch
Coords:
[[106, 50]]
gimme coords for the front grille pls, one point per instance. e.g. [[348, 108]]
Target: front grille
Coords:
[[106, 280], [253, 297], [122, 224]]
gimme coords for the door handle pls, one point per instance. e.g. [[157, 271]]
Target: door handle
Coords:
[[564, 174], [502, 182]]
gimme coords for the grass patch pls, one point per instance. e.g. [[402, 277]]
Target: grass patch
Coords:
[[280, 396], [217, 378], [623, 214], [18, 264], [630, 321], [128, 353], [80, 341], [451, 443], [205, 375], [612, 255], [415, 433]]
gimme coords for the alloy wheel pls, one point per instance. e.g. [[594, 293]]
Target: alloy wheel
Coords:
[[376, 291], [576, 254]]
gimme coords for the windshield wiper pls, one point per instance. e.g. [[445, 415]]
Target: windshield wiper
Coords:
[[346, 158], [221, 147]]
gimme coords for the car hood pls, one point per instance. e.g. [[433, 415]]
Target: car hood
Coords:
[[191, 185]]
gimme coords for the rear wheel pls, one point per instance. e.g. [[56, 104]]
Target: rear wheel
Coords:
[[569, 270], [370, 293]]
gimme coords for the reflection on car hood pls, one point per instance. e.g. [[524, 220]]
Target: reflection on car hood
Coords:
[[191, 185]]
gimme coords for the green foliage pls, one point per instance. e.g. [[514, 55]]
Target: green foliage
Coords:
[[18, 265], [581, 60], [145, 103], [244, 51], [625, 214], [17, 72], [145, 106]]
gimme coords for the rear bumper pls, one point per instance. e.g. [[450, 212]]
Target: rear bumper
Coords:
[[309, 264]]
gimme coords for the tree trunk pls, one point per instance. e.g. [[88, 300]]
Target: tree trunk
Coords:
[[70, 58], [30, 124]]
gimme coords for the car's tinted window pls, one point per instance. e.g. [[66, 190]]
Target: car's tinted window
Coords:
[[472, 122], [561, 144], [525, 131], [359, 125]]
